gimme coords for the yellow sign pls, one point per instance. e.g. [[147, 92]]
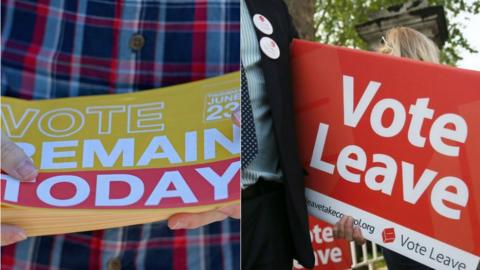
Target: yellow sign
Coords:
[[123, 159]]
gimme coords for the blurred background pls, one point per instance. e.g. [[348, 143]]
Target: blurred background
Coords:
[[453, 24]]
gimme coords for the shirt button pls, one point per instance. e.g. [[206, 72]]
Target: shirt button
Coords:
[[114, 264], [137, 42]]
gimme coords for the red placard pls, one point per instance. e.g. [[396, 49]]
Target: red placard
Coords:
[[395, 143], [329, 253]]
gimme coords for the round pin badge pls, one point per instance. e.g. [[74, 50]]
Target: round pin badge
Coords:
[[269, 47], [262, 24]]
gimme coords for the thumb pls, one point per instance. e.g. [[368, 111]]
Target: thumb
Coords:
[[237, 117], [15, 162], [11, 234], [357, 236], [233, 211]]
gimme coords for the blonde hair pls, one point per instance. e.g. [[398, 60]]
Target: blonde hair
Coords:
[[409, 43]]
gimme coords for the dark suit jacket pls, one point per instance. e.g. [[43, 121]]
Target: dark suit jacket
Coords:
[[279, 91]]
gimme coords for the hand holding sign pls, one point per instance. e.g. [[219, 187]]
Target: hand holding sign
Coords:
[[17, 164], [195, 220], [11, 234], [237, 117], [344, 229]]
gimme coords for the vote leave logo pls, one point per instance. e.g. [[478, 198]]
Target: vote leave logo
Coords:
[[388, 235], [391, 140]]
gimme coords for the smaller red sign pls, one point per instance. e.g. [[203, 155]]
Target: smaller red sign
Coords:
[[329, 253]]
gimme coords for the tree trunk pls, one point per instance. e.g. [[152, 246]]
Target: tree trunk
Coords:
[[302, 12]]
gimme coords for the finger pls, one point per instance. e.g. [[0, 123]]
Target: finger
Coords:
[[11, 234], [341, 227], [237, 117], [15, 162], [357, 236], [349, 229], [335, 230], [194, 220], [231, 210]]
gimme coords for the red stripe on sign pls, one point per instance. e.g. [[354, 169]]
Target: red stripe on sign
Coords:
[[184, 186]]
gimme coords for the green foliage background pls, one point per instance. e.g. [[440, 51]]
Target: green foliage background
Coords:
[[335, 22]]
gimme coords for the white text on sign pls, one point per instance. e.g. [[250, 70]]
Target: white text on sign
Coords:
[[449, 193]]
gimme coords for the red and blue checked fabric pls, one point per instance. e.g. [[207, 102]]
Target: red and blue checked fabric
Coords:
[[61, 48], [58, 48]]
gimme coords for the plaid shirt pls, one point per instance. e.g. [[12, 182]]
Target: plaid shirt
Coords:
[[58, 48]]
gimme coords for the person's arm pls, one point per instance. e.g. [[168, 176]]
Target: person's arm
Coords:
[[18, 165]]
